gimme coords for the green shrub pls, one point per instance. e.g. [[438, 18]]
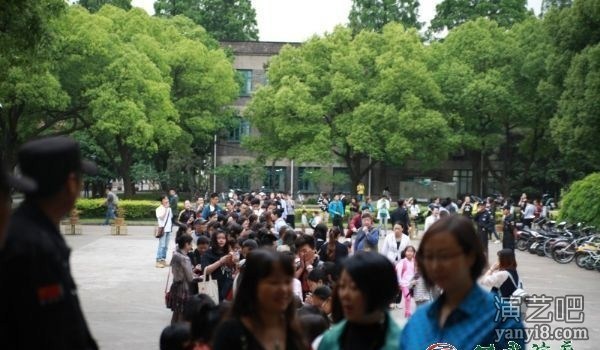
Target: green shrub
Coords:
[[134, 209], [580, 203], [311, 201], [147, 196]]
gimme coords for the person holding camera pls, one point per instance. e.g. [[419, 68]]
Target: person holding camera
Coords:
[[185, 219]]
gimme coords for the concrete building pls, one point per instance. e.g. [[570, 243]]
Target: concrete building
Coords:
[[251, 59]]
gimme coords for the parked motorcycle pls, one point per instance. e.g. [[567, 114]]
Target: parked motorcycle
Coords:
[[588, 255]]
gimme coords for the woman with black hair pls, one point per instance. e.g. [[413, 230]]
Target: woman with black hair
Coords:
[[333, 251], [263, 315], [219, 262], [181, 268], [203, 315], [363, 297], [451, 256], [320, 235]]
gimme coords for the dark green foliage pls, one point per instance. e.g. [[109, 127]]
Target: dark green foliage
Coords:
[[95, 5], [581, 203], [452, 13], [374, 14], [226, 20]]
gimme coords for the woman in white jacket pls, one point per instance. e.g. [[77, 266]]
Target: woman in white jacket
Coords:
[[394, 243]]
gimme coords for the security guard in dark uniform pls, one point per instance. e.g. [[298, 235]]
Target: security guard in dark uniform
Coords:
[[39, 307], [509, 229], [485, 224]]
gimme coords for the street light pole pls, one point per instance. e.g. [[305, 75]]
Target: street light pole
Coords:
[[370, 172], [292, 178], [215, 165]]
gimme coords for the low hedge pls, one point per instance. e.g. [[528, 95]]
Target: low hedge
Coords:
[[133, 209]]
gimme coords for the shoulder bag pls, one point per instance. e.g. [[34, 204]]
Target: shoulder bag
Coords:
[[160, 231]]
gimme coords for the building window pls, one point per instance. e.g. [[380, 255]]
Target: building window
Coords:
[[463, 179], [275, 179], [306, 179], [246, 82], [492, 185], [341, 180], [238, 179], [238, 132]]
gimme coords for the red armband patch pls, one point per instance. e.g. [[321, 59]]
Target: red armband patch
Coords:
[[49, 293]]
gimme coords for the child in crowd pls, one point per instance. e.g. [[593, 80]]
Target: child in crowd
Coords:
[[405, 269]]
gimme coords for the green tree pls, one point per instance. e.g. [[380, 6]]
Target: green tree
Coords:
[[473, 67], [360, 99], [452, 13], [143, 85], [32, 100], [547, 5], [580, 202], [577, 122], [229, 20], [95, 5], [375, 14], [535, 164], [571, 83]]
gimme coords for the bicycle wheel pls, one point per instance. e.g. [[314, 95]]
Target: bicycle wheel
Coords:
[[522, 245], [563, 254], [581, 259]]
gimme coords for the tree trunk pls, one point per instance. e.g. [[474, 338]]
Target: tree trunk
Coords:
[[476, 187], [356, 171], [125, 169], [10, 138], [507, 162]]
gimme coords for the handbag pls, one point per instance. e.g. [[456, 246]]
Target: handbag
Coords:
[[160, 231], [168, 297], [209, 287]]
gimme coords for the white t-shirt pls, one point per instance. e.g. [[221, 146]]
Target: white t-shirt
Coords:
[[429, 221], [414, 210], [167, 221], [495, 279]]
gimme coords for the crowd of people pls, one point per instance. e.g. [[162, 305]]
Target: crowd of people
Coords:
[[326, 288], [277, 287]]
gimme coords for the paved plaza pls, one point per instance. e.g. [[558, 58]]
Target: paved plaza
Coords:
[[123, 293]]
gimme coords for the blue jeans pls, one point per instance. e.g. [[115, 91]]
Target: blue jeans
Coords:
[[163, 244], [110, 214]]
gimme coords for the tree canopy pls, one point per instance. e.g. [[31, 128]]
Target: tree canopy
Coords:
[[27, 82], [361, 99], [95, 5], [574, 79], [229, 20], [134, 86], [375, 14], [452, 13]]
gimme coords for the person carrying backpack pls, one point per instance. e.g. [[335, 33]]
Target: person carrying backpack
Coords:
[[504, 280]]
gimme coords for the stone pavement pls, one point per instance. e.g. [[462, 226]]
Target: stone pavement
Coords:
[[122, 293]]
